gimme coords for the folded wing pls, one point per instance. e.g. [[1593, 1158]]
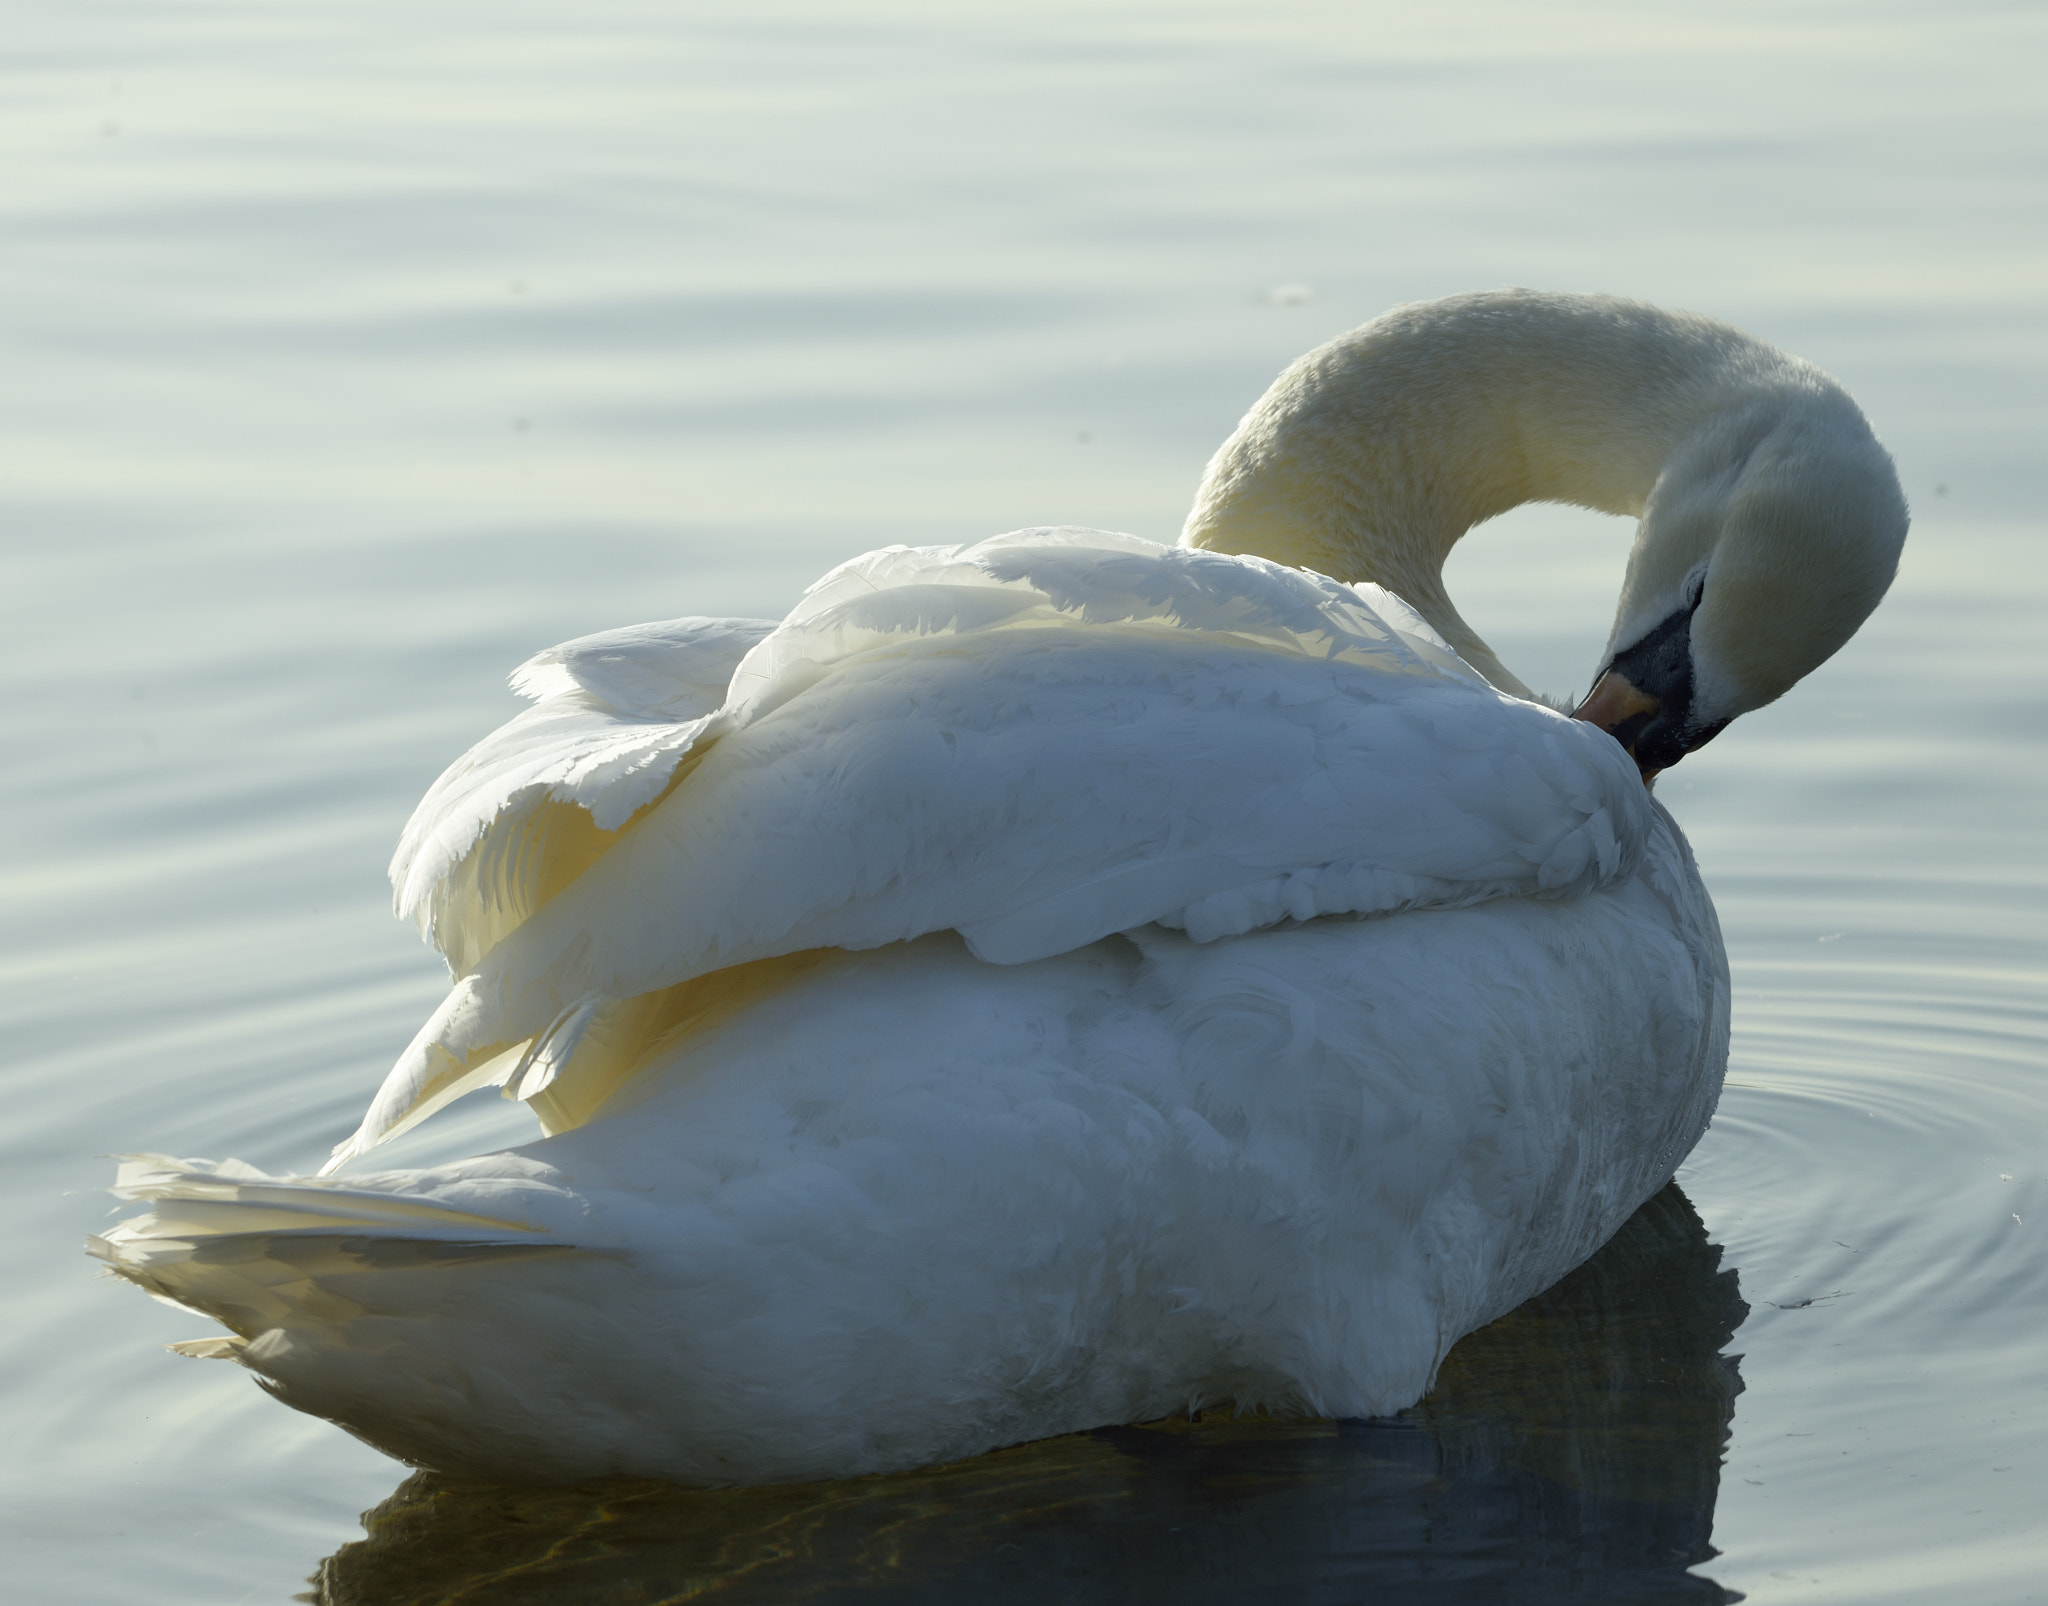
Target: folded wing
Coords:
[[1037, 740]]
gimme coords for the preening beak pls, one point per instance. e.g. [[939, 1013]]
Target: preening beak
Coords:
[[1644, 699], [1622, 709]]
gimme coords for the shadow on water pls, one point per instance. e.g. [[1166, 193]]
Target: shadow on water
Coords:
[[1570, 1452]]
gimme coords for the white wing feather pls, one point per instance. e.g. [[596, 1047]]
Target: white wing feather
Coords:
[[617, 712], [671, 669], [1037, 741]]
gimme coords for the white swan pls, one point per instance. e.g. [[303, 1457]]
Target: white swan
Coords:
[[1065, 980]]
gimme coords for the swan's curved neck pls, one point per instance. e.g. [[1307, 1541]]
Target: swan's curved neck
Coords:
[[1370, 457]]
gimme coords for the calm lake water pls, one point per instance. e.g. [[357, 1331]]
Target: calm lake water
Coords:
[[357, 352]]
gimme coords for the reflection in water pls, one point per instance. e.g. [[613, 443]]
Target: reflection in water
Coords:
[[1570, 1452]]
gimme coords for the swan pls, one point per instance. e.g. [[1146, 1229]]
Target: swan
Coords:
[[1064, 979]]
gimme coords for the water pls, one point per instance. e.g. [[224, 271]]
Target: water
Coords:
[[359, 352]]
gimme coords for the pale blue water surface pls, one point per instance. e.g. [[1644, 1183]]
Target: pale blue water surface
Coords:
[[358, 351]]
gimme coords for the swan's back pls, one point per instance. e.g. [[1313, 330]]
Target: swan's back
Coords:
[[1036, 741]]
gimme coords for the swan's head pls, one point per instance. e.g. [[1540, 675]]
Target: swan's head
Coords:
[[1767, 539]]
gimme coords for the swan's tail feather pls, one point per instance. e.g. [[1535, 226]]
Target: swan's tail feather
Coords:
[[209, 1349], [443, 1336], [256, 1252]]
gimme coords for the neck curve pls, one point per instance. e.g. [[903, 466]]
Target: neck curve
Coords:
[[1371, 456]]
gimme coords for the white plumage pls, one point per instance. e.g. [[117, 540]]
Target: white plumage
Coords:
[[1049, 982]]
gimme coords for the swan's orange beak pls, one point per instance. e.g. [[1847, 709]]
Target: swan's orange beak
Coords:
[[1621, 709]]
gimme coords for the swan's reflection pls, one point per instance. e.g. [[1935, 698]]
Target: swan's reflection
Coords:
[[1570, 1452]]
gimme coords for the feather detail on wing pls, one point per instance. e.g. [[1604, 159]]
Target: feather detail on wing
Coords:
[[1038, 740], [523, 812]]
